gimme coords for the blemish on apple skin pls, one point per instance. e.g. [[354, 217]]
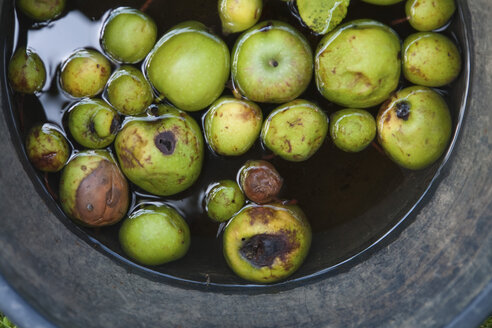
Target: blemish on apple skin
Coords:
[[165, 142], [403, 110], [262, 214], [261, 250]]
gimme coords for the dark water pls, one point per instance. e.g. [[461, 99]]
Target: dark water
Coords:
[[333, 188]]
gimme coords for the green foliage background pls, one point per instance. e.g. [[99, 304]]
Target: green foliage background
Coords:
[[5, 322]]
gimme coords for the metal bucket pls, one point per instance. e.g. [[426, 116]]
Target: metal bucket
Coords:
[[432, 269]]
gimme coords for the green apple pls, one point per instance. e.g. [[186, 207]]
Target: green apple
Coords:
[[128, 35], [428, 15], [271, 62], [128, 91], [414, 127], [85, 73], [189, 66], [358, 65], [232, 126], [322, 16], [295, 131], [223, 199], [26, 71], [267, 243], [93, 123], [42, 10], [430, 59], [239, 15], [162, 155], [154, 235], [47, 148], [352, 130]]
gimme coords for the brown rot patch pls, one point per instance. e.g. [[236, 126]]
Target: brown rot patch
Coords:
[[129, 159], [260, 214], [262, 183], [403, 110], [165, 142], [262, 250], [102, 196], [47, 161]]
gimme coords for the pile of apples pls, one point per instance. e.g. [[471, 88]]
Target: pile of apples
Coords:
[[160, 148]]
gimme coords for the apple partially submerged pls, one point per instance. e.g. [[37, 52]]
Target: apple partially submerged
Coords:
[[189, 66], [162, 155], [239, 15], [414, 127], [267, 243], [155, 234], [93, 191], [271, 62], [232, 125], [260, 181], [322, 16], [296, 130], [358, 65]]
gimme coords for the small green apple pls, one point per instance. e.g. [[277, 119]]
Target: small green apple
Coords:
[[47, 148], [93, 123], [322, 16], [296, 130], [154, 235], [352, 130], [85, 73], [232, 126], [42, 10], [128, 35], [430, 59], [428, 15], [26, 71], [128, 91], [239, 15], [223, 200]]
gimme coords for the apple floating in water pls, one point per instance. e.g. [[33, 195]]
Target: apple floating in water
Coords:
[[358, 64], [267, 243], [414, 127], [189, 66], [271, 63], [162, 155]]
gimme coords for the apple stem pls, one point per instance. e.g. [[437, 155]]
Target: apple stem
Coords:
[[399, 21], [146, 5]]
